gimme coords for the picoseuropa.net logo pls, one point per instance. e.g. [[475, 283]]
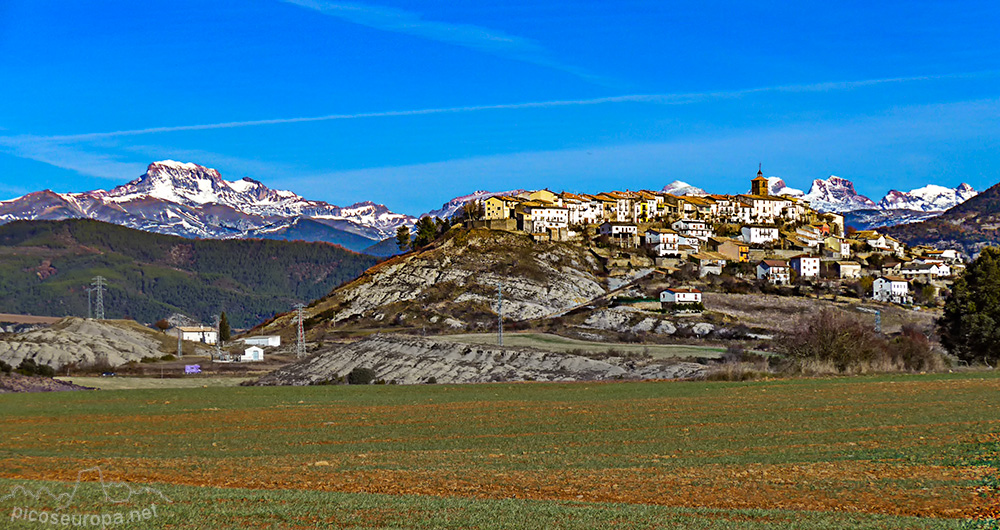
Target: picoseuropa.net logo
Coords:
[[88, 504]]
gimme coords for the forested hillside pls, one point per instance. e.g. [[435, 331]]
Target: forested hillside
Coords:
[[46, 266]]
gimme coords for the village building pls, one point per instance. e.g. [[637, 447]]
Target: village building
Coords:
[[848, 269], [758, 234], [263, 340], [252, 354], [499, 207], [734, 250], [201, 334], [693, 229], [709, 263], [624, 234], [805, 266], [774, 271], [892, 289], [663, 242], [680, 296], [925, 270]]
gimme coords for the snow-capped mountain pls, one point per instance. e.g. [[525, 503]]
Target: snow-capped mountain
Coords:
[[454, 206], [189, 200], [680, 188], [837, 195], [930, 198], [778, 187]]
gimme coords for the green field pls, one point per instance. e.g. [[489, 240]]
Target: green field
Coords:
[[872, 452], [559, 344]]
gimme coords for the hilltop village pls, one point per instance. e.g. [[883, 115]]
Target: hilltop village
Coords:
[[777, 240]]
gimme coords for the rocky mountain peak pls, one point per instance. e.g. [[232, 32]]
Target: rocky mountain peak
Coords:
[[679, 187], [836, 194]]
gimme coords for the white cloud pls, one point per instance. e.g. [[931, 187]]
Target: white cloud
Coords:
[[487, 40]]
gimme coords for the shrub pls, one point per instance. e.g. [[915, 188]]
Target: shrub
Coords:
[[5, 368], [30, 367], [361, 376]]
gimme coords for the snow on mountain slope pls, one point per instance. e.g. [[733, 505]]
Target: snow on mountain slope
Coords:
[[190, 200], [680, 188], [837, 194], [778, 187], [454, 206], [930, 198]]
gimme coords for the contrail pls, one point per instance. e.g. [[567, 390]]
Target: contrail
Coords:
[[660, 99]]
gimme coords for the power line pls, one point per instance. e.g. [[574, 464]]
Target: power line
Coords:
[[99, 302]]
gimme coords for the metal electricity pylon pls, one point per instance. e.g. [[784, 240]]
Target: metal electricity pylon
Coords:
[[300, 313], [99, 302], [500, 313]]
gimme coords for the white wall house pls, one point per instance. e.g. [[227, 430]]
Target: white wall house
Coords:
[[758, 235], [545, 217], [848, 269], [925, 270], [775, 271], [805, 266], [680, 296], [252, 354], [624, 234], [662, 241], [263, 340], [892, 289], [693, 228], [197, 334]]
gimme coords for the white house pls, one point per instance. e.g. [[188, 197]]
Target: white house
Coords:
[[805, 266], [848, 269], [263, 340], [926, 270], [662, 241], [545, 216], [623, 233], [774, 271], [758, 235], [680, 296], [252, 354], [197, 334], [891, 289], [693, 228]]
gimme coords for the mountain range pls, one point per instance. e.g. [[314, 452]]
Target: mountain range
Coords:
[[969, 226], [193, 201]]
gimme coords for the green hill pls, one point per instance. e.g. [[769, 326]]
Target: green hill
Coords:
[[45, 267]]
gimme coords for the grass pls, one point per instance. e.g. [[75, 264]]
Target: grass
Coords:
[[864, 452], [556, 343]]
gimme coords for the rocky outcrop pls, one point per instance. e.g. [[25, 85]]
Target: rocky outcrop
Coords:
[[78, 341], [405, 359], [461, 276]]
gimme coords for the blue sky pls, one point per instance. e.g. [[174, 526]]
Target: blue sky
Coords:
[[411, 103]]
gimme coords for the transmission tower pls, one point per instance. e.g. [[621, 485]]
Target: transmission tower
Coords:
[[500, 313], [99, 302], [218, 337], [300, 313]]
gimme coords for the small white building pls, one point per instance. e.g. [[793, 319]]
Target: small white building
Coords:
[[662, 241], [624, 234], [926, 270], [197, 334], [774, 271], [892, 289], [848, 269], [805, 266], [680, 296], [693, 228], [252, 354], [758, 235], [263, 341]]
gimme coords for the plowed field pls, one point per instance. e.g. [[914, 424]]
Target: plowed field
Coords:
[[890, 452]]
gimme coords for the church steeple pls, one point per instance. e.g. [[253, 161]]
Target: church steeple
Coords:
[[758, 186]]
